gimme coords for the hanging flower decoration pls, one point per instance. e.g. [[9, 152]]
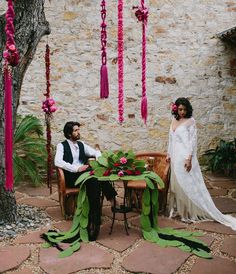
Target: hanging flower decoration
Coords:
[[48, 106], [120, 49], [141, 13]]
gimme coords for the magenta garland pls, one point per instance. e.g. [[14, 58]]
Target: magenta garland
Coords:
[[104, 83], [142, 15], [120, 62], [11, 57], [48, 107]]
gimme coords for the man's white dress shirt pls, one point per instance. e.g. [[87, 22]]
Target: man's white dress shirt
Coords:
[[59, 162]]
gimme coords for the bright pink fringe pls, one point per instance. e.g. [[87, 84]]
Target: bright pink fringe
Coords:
[[120, 62], [104, 83], [8, 130]]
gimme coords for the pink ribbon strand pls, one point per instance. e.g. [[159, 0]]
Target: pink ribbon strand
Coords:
[[120, 62], [104, 83], [11, 57]]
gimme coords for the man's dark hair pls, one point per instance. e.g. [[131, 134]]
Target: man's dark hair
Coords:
[[68, 128], [185, 102]]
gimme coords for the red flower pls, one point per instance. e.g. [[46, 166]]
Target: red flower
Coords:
[[129, 172], [91, 172], [107, 172], [137, 172], [116, 164]]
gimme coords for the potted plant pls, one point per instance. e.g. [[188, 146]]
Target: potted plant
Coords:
[[223, 157], [29, 156]]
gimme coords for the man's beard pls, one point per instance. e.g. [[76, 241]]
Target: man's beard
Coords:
[[73, 138]]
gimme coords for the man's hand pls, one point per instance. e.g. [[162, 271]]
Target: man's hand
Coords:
[[188, 164], [82, 168]]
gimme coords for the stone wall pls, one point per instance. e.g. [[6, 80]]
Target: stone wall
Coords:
[[184, 58]]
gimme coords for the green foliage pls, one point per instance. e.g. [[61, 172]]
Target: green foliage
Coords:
[[223, 157], [29, 155]]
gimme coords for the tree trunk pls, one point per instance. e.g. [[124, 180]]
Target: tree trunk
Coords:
[[30, 25]]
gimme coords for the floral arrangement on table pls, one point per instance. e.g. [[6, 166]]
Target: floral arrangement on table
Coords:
[[123, 165], [120, 165]]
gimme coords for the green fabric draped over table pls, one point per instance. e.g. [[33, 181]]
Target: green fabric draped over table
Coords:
[[111, 164]]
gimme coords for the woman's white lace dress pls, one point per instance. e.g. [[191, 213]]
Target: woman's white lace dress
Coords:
[[188, 192]]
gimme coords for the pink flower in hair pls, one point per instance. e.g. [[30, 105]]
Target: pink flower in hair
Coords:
[[174, 108]]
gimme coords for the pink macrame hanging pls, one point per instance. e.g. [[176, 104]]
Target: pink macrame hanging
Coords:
[[104, 83], [11, 58], [120, 62], [48, 107], [142, 15]]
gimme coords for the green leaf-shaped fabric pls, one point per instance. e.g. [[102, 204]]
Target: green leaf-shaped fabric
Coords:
[[84, 235], [66, 253], [83, 221], [146, 197], [99, 171], [149, 183], [102, 161], [202, 253], [145, 223], [82, 177]]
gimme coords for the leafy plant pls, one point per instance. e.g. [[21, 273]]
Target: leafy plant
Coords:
[[29, 156], [223, 157]]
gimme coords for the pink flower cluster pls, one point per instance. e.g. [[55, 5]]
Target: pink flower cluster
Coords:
[[11, 55], [48, 106], [121, 169], [141, 13]]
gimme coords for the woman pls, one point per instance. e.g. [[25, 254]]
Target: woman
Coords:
[[188, 193]]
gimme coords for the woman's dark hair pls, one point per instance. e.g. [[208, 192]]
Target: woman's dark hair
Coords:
[[185, 102], [68, 128]]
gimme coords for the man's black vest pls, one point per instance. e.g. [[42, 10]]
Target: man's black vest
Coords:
[[71, 177]]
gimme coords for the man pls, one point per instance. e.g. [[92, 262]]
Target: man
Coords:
[[72, 156]]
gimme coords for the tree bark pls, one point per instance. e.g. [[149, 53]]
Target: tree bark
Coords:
[[30, 25]]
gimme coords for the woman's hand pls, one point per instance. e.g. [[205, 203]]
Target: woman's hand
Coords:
[[168, 158], [188, 165]]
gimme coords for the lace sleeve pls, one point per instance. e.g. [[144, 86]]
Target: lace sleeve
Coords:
[[192, 138]]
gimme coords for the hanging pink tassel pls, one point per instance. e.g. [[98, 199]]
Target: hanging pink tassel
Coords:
[[11, 57], [144, 111], [104, 83], [120, 62], [8, 129]]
